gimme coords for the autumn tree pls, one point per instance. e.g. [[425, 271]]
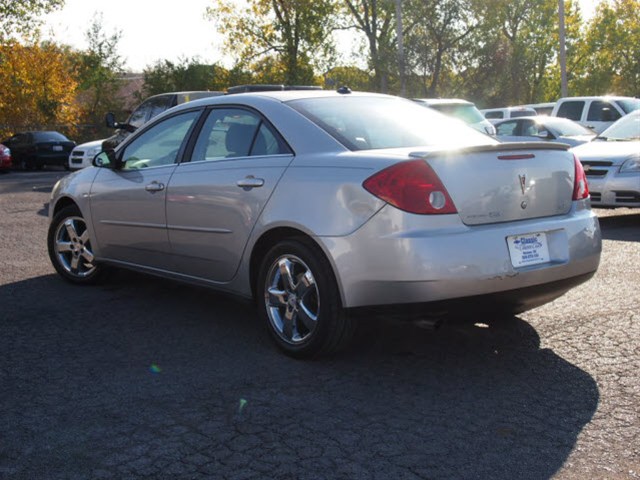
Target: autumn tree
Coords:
[[39, 87], [20, 18], [289, 36]]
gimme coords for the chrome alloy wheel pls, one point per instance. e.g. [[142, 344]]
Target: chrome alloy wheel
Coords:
[[292, 299], [73, 247]]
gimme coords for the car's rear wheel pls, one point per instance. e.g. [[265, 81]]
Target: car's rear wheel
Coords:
[[299, 300], [70, 247]]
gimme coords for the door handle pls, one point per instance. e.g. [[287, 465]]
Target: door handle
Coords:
[[154, 187], [250, 182]]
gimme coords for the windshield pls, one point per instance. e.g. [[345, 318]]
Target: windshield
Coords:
[[629, 105], [566, 127], [363, 123], [627, 128]]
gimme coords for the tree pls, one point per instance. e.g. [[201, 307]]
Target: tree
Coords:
[[376, 20], [184, 75], [20, 18], [437, 35], [39, 88], [294, 33], [609, 56], [99, 70]]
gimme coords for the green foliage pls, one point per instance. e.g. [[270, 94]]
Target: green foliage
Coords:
[[609, 54], [285, 35], [99, 69], [21, 18], [184, 75]]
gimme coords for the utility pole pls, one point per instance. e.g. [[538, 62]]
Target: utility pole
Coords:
[[399, 34], [563, 53]]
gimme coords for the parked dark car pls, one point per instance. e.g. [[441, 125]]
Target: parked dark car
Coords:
[[5, 158], [37, 149]]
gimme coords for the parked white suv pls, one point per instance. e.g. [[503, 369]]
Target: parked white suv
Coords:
[[496, 114], [596, 113]]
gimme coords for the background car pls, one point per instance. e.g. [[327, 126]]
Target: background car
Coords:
[[37, 149], [612, 164], [596, 113], [148, 109], [82, 155], [5, 159], [543, 128], [320, 205], [496, 114], [460, 109], [541, 108]]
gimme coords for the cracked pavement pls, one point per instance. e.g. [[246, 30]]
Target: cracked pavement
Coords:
[[146, 378]]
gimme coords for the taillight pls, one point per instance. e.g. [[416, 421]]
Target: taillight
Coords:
[[411, 186], [580, 186]]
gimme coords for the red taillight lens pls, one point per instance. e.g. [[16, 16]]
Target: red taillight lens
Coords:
[[580, 186], [411, 186]]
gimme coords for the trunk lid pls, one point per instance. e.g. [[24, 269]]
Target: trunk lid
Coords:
[[506, 182]]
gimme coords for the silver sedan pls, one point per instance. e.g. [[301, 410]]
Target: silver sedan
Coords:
[[320, 205], [612, 164]]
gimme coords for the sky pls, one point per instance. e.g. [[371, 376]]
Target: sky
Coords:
[[154, 30]]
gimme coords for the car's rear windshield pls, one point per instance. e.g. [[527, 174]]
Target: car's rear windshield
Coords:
[[564, 126], [364, 123], [49, 137]]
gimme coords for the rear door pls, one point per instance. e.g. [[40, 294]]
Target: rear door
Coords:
[[215, 199]]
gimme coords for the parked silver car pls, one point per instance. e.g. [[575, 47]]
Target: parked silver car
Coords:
[[542, 128], [318, 204], [612, 164]]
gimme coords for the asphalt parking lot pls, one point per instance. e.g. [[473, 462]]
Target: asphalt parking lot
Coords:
[[145, 378]]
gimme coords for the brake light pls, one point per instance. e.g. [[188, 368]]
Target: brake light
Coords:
[[580, 186], [411, 186]]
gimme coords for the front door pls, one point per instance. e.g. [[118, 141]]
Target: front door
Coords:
[[128, 204]]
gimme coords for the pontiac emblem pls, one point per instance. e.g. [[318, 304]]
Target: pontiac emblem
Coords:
[[523, 182]]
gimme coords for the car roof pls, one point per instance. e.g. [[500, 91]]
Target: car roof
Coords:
[[443, 101]]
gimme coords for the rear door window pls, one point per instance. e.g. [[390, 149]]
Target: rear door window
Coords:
[[571, 110], [600, 111]]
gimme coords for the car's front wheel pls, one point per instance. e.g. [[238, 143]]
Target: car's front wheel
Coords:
[[70, 247], [299, 299]]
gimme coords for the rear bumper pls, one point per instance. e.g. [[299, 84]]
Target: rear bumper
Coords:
[[435, 258]]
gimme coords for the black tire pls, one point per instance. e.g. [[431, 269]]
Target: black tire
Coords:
[[70, 249], [311, 292]]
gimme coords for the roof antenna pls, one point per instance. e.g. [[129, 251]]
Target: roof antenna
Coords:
[[344, 90]]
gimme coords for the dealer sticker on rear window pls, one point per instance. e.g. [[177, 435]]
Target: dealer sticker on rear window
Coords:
[[528, 249]]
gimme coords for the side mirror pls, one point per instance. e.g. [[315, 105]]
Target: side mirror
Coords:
[[110, 120], [106, 159]]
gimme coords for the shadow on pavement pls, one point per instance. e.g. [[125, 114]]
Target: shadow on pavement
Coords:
[[146, 377], [621, 227]]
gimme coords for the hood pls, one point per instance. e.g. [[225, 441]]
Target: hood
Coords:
[[616, 152]]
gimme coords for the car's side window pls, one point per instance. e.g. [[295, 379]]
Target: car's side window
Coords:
[[494, 115], [506, 128], [571, 110], [233, 133], [160, 144], [600, 111]]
